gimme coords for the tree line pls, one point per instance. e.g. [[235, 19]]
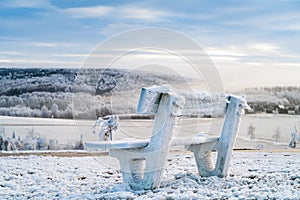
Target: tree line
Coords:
[[48, 93]]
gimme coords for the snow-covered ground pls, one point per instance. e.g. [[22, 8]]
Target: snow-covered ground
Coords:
[[253, 175]]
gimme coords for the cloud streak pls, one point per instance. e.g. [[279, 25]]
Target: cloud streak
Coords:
[[125, 12], [89, 12]]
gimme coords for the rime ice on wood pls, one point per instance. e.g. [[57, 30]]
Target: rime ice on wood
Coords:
[[203, 146], [142, 162], [106, 126], [142, 168]]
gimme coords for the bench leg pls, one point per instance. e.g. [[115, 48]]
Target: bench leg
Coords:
[[203, 157], [136, 177], [137, 167], [140, 172]]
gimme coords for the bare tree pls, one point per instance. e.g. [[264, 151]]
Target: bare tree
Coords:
[[277, 134], [107, 125]]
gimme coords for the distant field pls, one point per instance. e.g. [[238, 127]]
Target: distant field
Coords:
[[70, 130]]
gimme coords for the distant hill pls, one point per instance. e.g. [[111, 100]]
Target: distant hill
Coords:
[[15, 82], [41, 92], [89, 93]]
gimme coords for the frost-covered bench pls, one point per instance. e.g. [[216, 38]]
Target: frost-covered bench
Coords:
[[203, 145], [142, 161]]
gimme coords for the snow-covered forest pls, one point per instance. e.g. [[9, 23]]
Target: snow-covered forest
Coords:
[[282, 100], [48, 92], [89, 93], [34, 141]]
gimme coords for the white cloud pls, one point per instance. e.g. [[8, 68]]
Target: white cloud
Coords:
[[293, 56], [5, 61], [265, 48], [50, 44], [37, 61], [142, 13], [10, 53], [89, 12], [231, 50], [123, 12], [288, 64], [25, 3], [72, 55], [112, 29], [254, 49], [255, 54], [44, 44], [288, 27], [266, 21]]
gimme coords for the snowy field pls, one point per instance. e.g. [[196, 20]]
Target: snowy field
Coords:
[[253, 175], [69, 131], [271, 173]]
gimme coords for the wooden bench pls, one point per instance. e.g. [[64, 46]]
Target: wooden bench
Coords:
[[142, 161], [203, 146]]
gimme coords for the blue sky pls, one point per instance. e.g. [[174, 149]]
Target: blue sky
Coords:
[[255, 40]]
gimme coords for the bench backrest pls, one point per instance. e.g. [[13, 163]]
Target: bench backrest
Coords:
[[229, 131], [166, 106]]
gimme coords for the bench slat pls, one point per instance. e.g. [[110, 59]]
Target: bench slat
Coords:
[[117, 144], [194, 140]]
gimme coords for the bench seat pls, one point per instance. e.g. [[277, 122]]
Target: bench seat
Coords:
[[117, 144], [135, 143]]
